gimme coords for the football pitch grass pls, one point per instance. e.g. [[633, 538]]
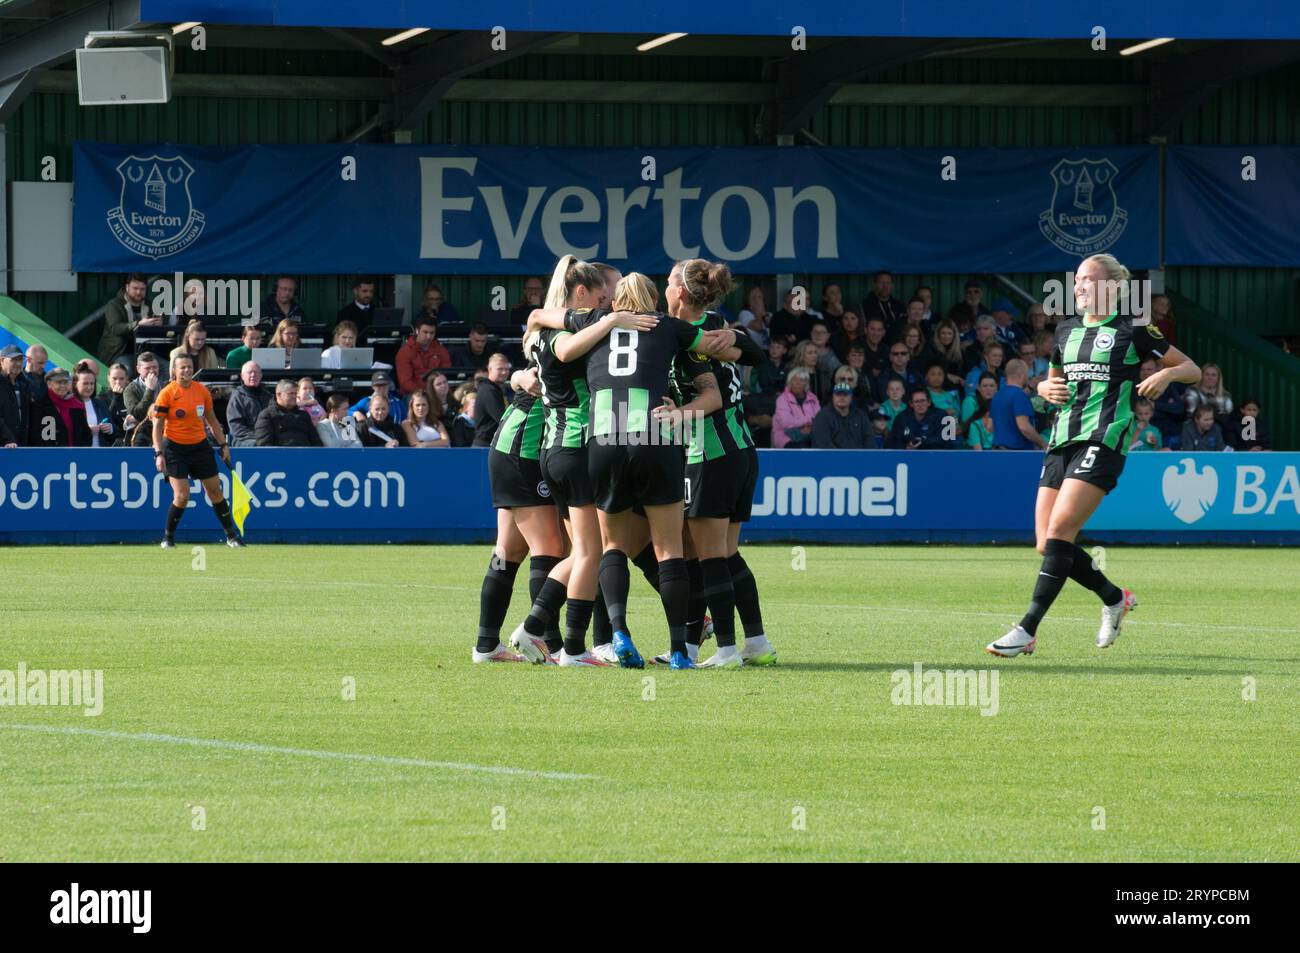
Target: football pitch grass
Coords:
[[227, 732]]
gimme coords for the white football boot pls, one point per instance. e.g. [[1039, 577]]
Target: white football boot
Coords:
[[499, 654], [757, 650], [1112, 617], [586, 659], [529, 646], [1014, 643], [605, 653], [727, 656]]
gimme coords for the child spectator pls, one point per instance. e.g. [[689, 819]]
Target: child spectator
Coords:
[[1201, 432], [1147, 435], [1245, 429], [307, 400]]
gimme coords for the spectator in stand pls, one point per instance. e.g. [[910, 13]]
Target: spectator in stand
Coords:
[[940, 396], [984, 330], [1210, 392], [832, 305], [307, 401], [841, 426], [894, 404], [288, 337], [1201, 432], [474, 354], [251, 337], [421, 353], [1162, 316], [462, 427], [282, 304], [994, 359], [882, 304], [929, 315], [338, 429], [361, 308], [1146, 435], [1171, 410], [1013, 414], [127, 311], [531, 298], [923, 427], [377, 428], [755, 318], [34, 370], [345, 336], [850, 332], [857, 361], [980, 432], [59, 418], [900, 368], [876, 357], [911, 336], [973, 298], [796, 409], [99, 427], [1044, 343], [444, 401], [380, 383], [945, 347], [245, 406], [1026, 352], [195, 344], [282, 424], [115, 400], [864, 397], [794, 321], [827, 359], [1245, 430], [15, 398], [437, 307], [1036, 318], [143, 391], [963, 319], [1009, 331], [90, 367], [765, 384], [820, 380], [492, 396], [424, 426]]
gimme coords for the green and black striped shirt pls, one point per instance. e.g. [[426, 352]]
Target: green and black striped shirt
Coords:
[[564, 393], [723, 431], [520, 431]]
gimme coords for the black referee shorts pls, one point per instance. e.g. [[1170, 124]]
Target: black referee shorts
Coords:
[[186, 461], [1092, 463]]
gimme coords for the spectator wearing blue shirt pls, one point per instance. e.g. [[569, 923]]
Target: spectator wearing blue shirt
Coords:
[[901, 368], [1009, 331], [380, 383], [1013, 414], [437, 307], [1170, 407], [923, 426], [994, 357]]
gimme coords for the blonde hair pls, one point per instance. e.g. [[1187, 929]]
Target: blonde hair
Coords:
[[568, 274], [194, 325], [1115, 273], [800, 349], [846, 373], [636, 292]]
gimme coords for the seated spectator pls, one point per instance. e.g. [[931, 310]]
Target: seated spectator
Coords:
[[531, 298], [345, 335], [58, 417], [1210, 392], [850, 332], [15, 398], [769, 377], [34, 370], [827, 360], [1201, 432], [864, 397], [492, 396], [1044, 343], [445, 404], [1170, 407], [360, 310], [282, 304], [832, 308], [963, 319], [911, 336], [195, 344], [475, 353], [900, 368], [755, 318], [1162, 316], [921, 426], [977, 402], [127, 311], [794, 321], [977, 338], [991, 363], [282, 424], [913, 318], [1013, 415], [888, 409], [945, 347], [423, 426], [249, 338], [338, 429], [245, 406], [115, 401], [1009, 331], [876, 350], [98, 430], [1038, 321], [973, 299], [437, 308], [380, 383], [462, 427], [421, 353], [287, 336], [820, 379], [882, 304], [979, 435], [141, 392], [929, 313], [1146, 436], [307, 401], [87, 366], [796, 409], [1245, 429], [377, 428], [841, 426], [942, 398]]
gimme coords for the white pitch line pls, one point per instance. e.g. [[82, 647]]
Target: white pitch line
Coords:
[[299, 752]]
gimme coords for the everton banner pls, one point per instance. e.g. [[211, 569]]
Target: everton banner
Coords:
[[1232, 205], [393, 209]]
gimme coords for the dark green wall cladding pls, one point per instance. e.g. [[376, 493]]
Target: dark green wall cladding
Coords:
[[1263, 110]]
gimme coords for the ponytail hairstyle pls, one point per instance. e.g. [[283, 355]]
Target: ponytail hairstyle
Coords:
[[636, 292], [568, 274], [1117, 275], [703, 282]]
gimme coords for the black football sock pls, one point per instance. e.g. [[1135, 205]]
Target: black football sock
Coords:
[[602, 633], [649, 565], [742, 580], [614, 583], [1058, 559], [539, 567], [675, 594], [222, 510], [695, 605], [721, 599], [174, 514], [575, 625], [1090, 577], [494, 602], [543, 619]]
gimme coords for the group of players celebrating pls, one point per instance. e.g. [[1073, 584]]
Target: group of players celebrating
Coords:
[[625, 440]]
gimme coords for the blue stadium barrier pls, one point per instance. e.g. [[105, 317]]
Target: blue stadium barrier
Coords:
[[379, 495]]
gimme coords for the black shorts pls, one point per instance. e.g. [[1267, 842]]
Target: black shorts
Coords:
[[646, 474], [566, 473], [722, 488], [1090, 462], [516, 481], [186, 461]]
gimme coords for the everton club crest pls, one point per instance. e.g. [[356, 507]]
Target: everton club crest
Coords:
[[156, 217], [1085, 217]]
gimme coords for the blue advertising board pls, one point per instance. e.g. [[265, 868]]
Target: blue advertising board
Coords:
[[378, 495]]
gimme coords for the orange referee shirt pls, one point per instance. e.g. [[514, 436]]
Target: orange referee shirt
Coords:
[[183, 411]]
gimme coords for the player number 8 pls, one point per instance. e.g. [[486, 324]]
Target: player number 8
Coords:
[[622, 352]]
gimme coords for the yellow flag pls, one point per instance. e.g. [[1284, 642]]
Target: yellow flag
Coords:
[[239, 500]]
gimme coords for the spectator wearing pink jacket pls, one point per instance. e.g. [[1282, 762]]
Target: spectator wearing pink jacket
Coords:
[[795, 409]]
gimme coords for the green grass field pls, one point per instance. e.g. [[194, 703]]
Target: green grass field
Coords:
[[809, 760]]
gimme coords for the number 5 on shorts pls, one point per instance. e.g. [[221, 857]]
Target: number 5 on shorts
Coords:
[[1088, 460]]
